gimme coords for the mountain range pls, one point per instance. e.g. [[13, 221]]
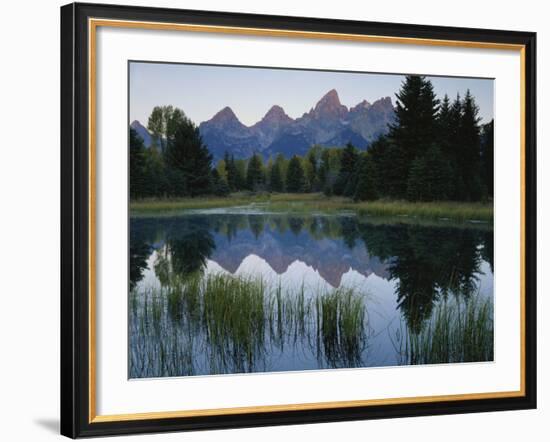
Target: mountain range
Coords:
[[328, 123], [331, 258]]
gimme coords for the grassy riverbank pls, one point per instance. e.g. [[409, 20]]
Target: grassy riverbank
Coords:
[[317, 202], [237, 322], [456, 332]]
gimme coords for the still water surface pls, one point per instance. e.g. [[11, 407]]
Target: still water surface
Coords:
[[307, 291]]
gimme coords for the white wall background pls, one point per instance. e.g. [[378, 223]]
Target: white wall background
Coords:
[[29, 220]]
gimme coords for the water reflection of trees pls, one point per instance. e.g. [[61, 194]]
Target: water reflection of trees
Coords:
[[183, 245], [236, 325], [139, 251], [428, 262], [190, 243]]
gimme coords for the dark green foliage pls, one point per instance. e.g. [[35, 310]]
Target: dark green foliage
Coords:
[[163, 123], [429, 267], [255, 178], [433, 151], [295, 175], [276, 178], [158, 180], [425, 273], [429, 177], [189, 247], [469, 159], [325, 175], [235, 179], [487, 157], [139, 251], [387, 179], [218, 184], [346, 181], [138, 166], [488, 250], [414, 129], [313, 158], [366, 189], [188, 161]]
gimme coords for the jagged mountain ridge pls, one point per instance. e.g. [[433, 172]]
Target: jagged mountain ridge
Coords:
[[280, 250], [142, 132], [328, 123]]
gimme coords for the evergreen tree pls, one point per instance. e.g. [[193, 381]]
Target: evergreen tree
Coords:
[[415, 126], [448, 120], [444, 117], [487, 157], [188, 160], [157, 180], [429, 177], [469, 160], [387, 180], [344, 184], [366, 180], [218, 184], [282, 163], [230, 170], [240, 173], [445, 122], [222, 170], [255, 178], [416, 184], [312, 172], [324, 170], [453, 151], [276, 178], [295, 175], [138, 166]]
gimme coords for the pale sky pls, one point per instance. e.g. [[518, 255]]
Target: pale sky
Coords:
[[202, 90]]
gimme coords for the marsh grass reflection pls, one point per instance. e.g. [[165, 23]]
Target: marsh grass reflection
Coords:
[[458, 331], [231, 322], [193, 312]]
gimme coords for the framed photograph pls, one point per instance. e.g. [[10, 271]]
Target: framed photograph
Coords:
[[274, 220]]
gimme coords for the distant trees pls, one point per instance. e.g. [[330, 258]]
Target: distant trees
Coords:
[[434, 150], [163, 123], [276, 178], [255, 178], [219, 184], [414, 128], [188, 161], [366, 188], [235, 174], [295, 180], [487, 156], [469, 161], [138, 169], [429, 177], [178, 165], [346, 179]]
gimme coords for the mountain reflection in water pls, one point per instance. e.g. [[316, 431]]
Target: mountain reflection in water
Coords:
[[358, 291]]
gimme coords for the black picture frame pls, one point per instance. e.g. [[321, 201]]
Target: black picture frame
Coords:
[[75, 221]]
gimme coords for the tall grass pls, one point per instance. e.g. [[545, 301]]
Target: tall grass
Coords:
[[341, 327], [317, 202], [220, 323], [459, 331]]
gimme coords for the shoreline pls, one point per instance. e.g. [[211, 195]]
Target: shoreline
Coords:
[[467, 212]]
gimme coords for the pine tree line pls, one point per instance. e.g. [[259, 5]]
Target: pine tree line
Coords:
[[434, 150], [177, 164]]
